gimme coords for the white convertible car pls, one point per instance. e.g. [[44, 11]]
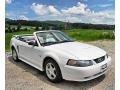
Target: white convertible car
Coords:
[[59, 56]]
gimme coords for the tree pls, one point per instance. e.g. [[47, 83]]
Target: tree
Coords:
[[36, 28], [9, 29], [19, 27]]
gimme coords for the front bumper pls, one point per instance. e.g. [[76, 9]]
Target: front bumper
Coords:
[[85, 73]]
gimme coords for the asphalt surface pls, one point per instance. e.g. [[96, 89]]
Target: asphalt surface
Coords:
[[21, 76]]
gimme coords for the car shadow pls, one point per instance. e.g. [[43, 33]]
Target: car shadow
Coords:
[[66, 85]]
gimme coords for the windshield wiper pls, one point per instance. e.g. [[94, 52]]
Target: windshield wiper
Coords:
[[48, 43], [66, 41], [51, 43]]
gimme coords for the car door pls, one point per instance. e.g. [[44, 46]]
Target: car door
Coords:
[[32, 54], [35, 54], [23, 51]]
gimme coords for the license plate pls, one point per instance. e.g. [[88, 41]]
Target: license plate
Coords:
[[104, 66]]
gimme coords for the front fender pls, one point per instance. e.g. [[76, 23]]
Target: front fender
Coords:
[[51, 55]]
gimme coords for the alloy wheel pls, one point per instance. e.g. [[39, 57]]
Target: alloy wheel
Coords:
[[51, 71]]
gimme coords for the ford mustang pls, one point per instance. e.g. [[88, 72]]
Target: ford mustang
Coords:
[[59, 56]]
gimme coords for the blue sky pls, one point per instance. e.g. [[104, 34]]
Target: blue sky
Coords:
[[86, 11]]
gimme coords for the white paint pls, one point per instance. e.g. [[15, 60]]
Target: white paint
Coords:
[[61, 53]]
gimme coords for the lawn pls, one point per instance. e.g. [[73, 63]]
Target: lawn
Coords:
[[89, 34], [77, 34]]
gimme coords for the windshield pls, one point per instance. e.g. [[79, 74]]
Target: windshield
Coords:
[[52, 37]]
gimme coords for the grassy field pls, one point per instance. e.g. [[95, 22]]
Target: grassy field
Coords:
[[89, 34], [77, 34]]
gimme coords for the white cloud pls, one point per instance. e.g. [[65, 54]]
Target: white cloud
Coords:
[[73, 19], [102, 5], [53, 11], [98, 21], [102, 14], [84, 0], [99, 14], [80, 8], [102, 21], [101, 17], [22, 17], [8, 1], [40, 9], [78, 13], [7, 14]]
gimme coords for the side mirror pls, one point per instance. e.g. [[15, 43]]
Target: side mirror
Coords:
[[31, 43]]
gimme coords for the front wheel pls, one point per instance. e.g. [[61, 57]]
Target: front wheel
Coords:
[[52, 71]]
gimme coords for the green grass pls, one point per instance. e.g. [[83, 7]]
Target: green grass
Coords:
[[89, 34], [77, 34]]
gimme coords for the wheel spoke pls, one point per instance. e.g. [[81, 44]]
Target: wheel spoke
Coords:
[[53, 74], [51, 71]]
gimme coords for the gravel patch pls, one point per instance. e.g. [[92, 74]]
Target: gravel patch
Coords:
[[21, 76]]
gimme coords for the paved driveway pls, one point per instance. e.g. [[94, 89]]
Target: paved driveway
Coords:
[[21, 76]]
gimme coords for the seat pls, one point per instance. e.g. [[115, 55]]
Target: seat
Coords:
[[41, 39]]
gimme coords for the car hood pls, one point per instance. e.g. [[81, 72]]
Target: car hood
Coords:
[[79, 50]]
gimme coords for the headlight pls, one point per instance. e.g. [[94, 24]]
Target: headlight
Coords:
[[79, 63]]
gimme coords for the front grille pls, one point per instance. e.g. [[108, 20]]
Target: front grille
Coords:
[[98, 60]]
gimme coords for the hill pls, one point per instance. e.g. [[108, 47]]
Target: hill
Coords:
[[59, 24]]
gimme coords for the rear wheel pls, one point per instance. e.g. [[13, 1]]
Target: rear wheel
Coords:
[[14, 55], [52, 71]]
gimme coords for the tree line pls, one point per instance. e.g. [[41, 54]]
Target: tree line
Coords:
[[55, 25]]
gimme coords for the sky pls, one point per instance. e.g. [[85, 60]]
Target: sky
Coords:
[[74, 11]]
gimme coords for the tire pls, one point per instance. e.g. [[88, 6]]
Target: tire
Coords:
[[52, 71], [14, 55]]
